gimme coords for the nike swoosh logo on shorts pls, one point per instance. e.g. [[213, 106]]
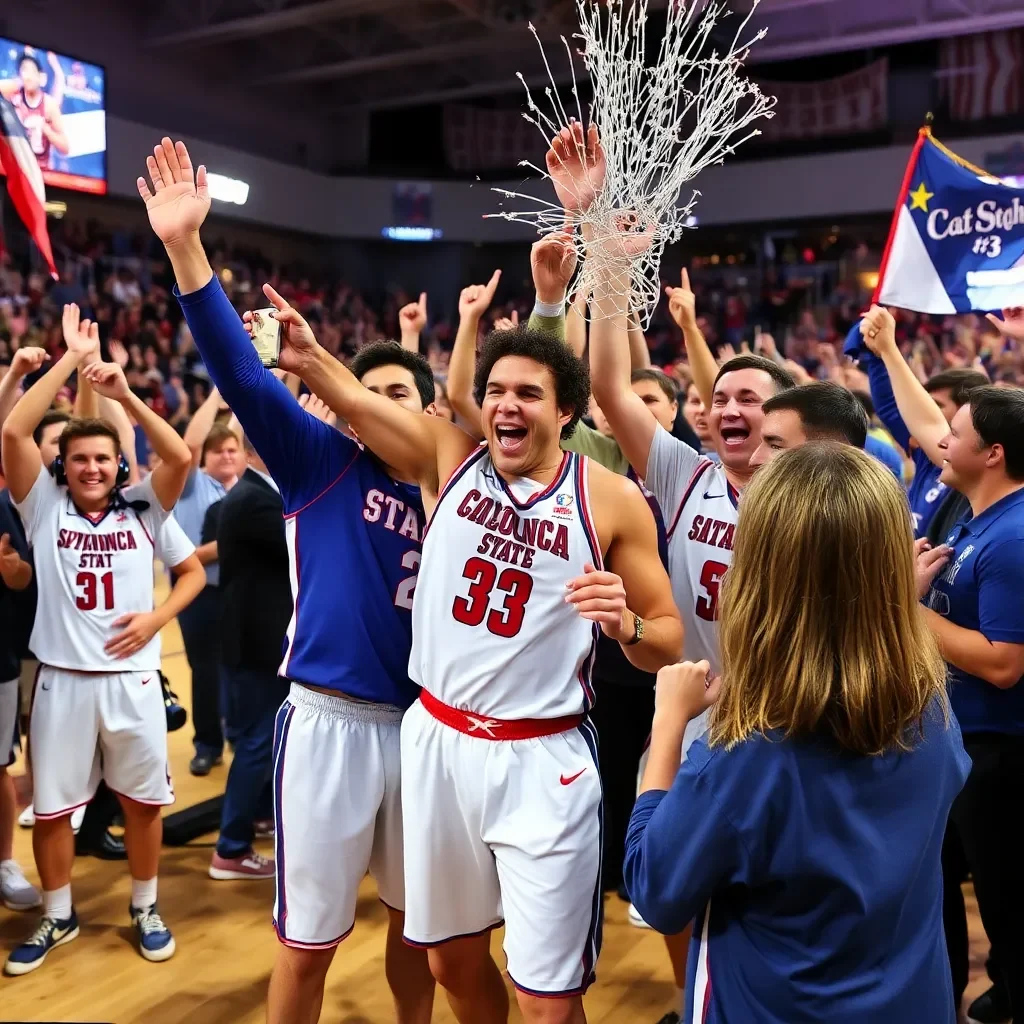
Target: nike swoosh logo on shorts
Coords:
[[572, 778], [144, 681]]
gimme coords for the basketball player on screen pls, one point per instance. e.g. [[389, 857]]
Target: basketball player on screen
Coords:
[[354, 527], [39, 112], [98, 709]]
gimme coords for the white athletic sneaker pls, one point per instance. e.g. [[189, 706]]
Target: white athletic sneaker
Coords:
[[27, 818], [635, 919], [16, 892]]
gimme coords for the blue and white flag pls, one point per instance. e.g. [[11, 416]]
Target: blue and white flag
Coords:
[[956, 244]]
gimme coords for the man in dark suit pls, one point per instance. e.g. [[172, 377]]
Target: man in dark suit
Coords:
[[256, 606]]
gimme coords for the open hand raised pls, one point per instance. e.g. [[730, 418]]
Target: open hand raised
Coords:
[[180, 199]]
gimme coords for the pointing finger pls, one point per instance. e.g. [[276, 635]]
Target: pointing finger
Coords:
[[279, 301]]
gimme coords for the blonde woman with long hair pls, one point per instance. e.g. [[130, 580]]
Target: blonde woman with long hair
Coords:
[[803, 833]]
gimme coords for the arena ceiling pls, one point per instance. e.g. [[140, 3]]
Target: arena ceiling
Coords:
[[348, 55]]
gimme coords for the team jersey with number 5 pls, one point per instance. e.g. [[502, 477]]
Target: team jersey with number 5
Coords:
[[492, 632], [92, 569], [699, 505]]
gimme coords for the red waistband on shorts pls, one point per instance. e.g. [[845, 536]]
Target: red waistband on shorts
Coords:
[[488, 728]]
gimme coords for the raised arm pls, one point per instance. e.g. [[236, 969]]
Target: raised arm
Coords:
[[199, 426], [880, 386], [21, 459], [412, 318], [923, 418], [420, 448], [639, 353], [682, 306], [474, 301], [26, 360], [302, 454], [632, 423], [108, 381]]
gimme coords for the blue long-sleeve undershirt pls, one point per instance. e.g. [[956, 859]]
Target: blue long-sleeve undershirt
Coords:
[[302, 453]]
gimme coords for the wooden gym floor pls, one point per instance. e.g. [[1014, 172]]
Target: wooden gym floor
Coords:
[[226, 945]]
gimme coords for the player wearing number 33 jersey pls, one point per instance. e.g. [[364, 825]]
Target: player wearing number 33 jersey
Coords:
[[527, 550]]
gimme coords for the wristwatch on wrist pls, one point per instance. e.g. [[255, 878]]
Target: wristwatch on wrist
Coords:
[[638, 630]]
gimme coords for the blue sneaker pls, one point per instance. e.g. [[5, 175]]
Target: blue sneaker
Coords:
[[155, 940], [49, 935]]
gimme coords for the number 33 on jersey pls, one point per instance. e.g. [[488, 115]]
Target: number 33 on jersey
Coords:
[[491, 599]]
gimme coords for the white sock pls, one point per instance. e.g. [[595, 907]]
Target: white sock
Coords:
[[143, 893], [8, 865], [57, 903]]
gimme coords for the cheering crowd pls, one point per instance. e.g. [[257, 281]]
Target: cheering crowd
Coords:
[[811, 650]]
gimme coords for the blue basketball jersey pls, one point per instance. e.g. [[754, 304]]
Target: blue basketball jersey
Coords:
[[354, 533], [355, 552]]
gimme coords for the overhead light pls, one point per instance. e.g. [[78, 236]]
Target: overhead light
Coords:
[[227, 190], [411, 234]]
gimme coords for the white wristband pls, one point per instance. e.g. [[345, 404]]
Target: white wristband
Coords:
[[549, 309]]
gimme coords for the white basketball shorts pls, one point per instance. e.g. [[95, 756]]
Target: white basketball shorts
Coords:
[[504, 829], [9, 705], [338, 813], [86, 726]]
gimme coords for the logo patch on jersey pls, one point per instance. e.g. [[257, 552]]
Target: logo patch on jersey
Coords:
[[563, 506], [122, 517]]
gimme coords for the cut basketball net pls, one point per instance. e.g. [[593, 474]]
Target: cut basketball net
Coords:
[[660, 126]]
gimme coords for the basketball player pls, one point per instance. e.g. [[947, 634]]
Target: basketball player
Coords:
[[38, 111], [354, 527], [98, 708], [697, 496]]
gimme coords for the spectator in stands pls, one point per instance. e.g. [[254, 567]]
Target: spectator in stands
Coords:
[[215, 466], [257, 606]]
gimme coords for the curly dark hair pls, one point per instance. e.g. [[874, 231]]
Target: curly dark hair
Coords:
[[391, 353], [572, 375]]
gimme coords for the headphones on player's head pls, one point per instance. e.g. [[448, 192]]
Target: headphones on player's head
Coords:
[[61, 476]]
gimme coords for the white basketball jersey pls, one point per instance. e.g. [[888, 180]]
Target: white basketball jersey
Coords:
[[491, 630], [700, 541], [699, 507], [90, 570]]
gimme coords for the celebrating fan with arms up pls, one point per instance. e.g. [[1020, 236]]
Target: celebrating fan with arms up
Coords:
[[98, 709]]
